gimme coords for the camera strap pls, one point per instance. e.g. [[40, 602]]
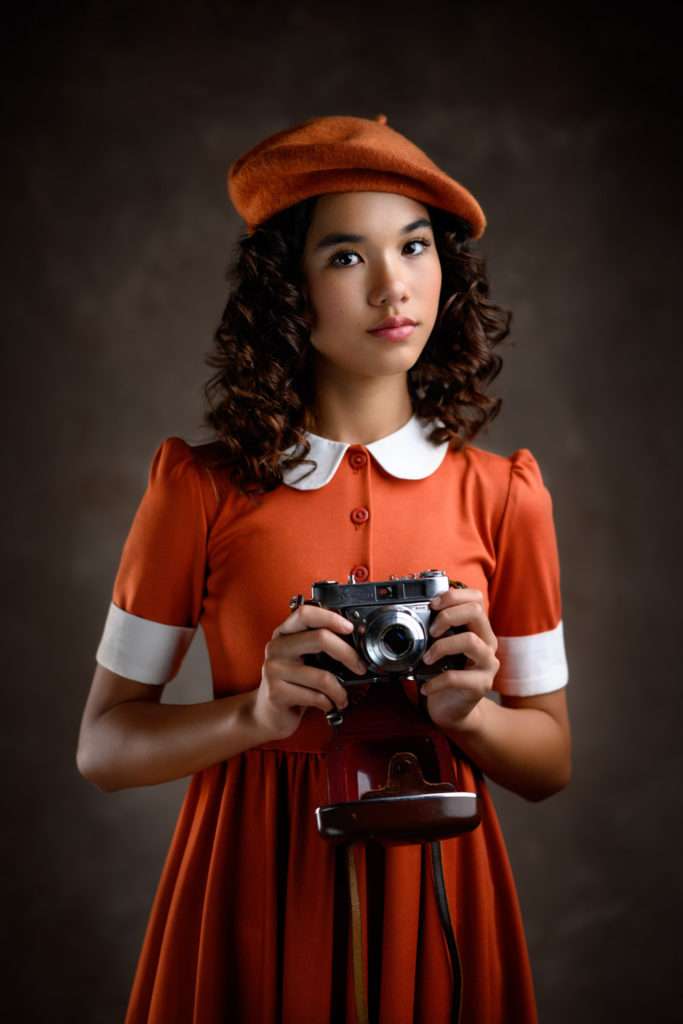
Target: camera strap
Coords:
[[357, 949], [448, 931], [356, 937]]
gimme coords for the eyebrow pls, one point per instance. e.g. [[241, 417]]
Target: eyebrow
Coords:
[[335, 237]]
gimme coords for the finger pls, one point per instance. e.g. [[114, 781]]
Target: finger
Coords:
[[311, 616], [294, 696], [307, 678], [468, 681], [469, 643], [456, 595], [315, 641], [470, 613]]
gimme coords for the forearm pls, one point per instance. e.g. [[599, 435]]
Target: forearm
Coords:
[[143, 743], [522, 749]]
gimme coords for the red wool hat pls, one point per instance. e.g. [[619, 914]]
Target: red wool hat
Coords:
[[342, 154]]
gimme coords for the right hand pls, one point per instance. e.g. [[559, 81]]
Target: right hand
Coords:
[[288, 686]]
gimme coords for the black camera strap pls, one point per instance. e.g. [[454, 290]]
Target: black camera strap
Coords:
[[449, 933], [439, 884]]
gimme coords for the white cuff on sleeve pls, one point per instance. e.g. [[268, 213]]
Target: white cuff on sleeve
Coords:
[[140, 649], [532, 664]]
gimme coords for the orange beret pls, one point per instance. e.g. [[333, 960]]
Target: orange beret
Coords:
[[341, 154]]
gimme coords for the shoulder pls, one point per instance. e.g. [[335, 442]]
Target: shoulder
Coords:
[[504, 484], [174, 456], [173, 464], [496, 471], [182, 471]]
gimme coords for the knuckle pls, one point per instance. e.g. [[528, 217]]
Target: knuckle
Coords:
[[325, 679], [308, 616], [334, 683], [275, 670], [311, 640]]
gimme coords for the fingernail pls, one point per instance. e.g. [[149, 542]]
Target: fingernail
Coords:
[[436, 602], [423, 689]]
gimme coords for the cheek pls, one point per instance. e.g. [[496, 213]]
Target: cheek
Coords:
[[430, 291], [320, 292], [434, 278], [332, 297]]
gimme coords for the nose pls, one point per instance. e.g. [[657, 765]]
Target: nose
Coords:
[[388, 290]]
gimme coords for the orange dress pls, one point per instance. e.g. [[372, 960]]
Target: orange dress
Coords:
[[250, 922]]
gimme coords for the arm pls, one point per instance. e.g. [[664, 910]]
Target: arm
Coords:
[[128, 738], [523, 743]]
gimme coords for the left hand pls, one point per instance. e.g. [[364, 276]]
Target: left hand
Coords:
[[453, 695]]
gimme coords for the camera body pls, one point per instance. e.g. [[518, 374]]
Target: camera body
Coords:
[[391, 620]]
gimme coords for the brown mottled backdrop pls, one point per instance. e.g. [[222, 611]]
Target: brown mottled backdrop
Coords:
[[119, 122]]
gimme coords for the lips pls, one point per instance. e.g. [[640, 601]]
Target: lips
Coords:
[[394, 333], [391, 322]]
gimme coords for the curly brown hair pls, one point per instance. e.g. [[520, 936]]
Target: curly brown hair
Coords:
[[261, 395]]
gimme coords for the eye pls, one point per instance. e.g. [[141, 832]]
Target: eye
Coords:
[[350, 252], [419, 241]]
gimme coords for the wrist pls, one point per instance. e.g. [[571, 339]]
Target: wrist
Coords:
[[470, 724], [249, 720]]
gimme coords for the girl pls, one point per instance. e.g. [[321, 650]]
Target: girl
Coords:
[[351, 366]]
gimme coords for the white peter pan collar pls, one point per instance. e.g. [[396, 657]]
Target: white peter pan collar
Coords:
[[406, 453]]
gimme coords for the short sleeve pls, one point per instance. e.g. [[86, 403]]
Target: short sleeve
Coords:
[[159, 587], [525, 605]]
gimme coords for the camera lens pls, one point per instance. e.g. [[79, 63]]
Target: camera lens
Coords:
[[394, 638], [398, 640]]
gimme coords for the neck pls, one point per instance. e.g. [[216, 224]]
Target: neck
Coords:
[[360, 411]]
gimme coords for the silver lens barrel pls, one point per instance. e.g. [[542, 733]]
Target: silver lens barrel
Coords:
[[394, 639]]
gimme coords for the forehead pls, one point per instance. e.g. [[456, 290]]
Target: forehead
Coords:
[[365, 210]]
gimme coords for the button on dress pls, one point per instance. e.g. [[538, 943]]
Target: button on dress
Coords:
[[250, 921]]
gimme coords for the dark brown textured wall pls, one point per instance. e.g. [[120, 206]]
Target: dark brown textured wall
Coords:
[[119, 124]]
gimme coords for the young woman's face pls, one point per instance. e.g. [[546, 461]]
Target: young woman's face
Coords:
[[390, 268]]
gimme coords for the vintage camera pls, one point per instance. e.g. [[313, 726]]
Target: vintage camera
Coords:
[[391, 774], [391, 621]]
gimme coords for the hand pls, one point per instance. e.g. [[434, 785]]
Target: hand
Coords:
[[453, 696], [288, 686]]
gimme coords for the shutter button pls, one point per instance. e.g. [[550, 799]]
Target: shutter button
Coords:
[[360, 573], [357, 459], [360, 515]]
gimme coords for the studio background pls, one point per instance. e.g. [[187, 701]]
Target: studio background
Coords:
[[120, 122]]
